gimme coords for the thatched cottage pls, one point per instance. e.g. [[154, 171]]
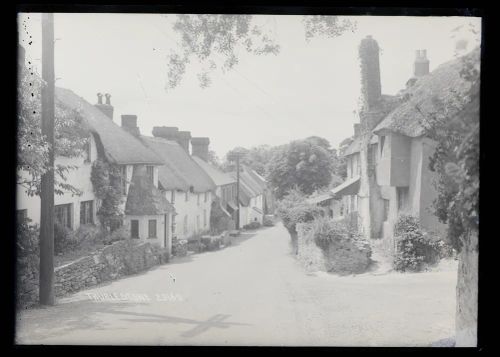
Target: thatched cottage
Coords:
[[388, 160]]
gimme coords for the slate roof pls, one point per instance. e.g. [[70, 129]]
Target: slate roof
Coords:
[[119, 146], [427, 95], [219, 177], [179, 170], [143, 197]]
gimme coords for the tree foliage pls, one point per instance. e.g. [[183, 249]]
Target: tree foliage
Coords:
[[70, 137], [217, 41], [456, 158], [300, 164]]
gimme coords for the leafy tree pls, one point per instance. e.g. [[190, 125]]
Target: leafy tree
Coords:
[[293, 208], [216, 41], [300, 164], [32, 151]]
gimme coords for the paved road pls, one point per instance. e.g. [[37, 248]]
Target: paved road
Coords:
[[251, 293]]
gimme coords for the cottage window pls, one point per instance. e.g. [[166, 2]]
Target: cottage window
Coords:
[[198, 199], [185, 225], [186, 198], [206, 196], [197, 223], [172, 196], [386, 210], [204, 218], [87, 212], [63, 215], [402, 194], [152, 228], [21, 215], [134, 228], [150, 172]]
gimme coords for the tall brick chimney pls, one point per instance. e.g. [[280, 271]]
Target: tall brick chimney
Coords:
[[183, 138], [199, 147], [166, 132], [106, 108], [357, 129], [371, 89], [421, 64], [129, 123]]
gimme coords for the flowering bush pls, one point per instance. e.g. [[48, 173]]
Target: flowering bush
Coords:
[[413, 247]]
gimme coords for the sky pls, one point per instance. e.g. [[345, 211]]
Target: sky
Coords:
[[309, 88]]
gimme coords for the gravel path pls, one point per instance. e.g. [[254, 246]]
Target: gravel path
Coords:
[[251, 293]]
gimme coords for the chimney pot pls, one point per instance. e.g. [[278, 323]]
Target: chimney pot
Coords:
[[107, 108], [421, 64]]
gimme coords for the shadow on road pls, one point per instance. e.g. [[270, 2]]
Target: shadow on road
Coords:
[[200, 326], [42, 323]]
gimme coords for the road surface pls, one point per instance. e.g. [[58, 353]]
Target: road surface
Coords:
[[250, 293]]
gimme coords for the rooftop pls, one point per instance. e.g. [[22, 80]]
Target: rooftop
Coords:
[[180, 171], [119, 146]]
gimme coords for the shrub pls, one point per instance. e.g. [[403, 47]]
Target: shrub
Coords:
[[118, 234], [219, 220], [179, 248], [28, 259], [294, 208], [344, 249], [252, 225], [27, 245], [268, 220], [414, 248], [62, 239]]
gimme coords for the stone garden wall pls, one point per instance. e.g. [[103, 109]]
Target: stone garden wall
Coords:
[[111, 262]]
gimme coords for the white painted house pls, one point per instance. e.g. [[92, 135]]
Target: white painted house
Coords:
[[113, 144], [183, 182]]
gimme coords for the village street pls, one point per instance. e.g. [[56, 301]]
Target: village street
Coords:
[[252, 292]]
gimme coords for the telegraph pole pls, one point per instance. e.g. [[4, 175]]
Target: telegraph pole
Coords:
[[238, 190], [235, 156], [46, 282]]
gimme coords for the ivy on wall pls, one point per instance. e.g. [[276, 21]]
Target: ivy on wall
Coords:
[[107, 183]]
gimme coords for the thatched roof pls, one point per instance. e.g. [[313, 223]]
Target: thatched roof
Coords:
[[219, 177], [119, 146], [249, 187], [180, 171], [427, 96], [143, 197]]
